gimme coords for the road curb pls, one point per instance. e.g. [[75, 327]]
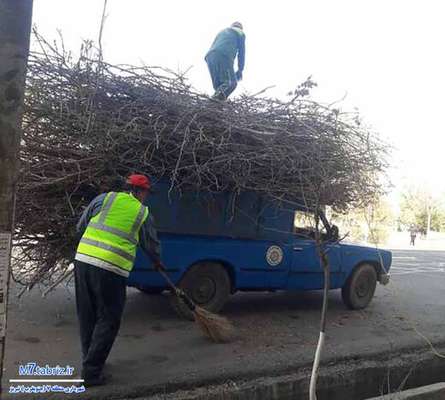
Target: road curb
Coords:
[[430, 392], [340, 379]]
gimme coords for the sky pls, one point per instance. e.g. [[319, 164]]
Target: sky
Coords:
[[385, 58]]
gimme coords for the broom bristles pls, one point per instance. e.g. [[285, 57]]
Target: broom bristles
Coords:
[[217, 328]]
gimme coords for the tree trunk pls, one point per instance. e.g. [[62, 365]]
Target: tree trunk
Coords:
[[15, 27]]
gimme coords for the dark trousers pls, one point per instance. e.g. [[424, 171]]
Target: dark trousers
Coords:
[[100, 300], [222, 74]]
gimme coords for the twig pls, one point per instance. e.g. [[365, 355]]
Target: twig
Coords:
[[326, 273]]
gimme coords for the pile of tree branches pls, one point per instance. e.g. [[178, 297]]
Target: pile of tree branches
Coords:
[[87, 124]]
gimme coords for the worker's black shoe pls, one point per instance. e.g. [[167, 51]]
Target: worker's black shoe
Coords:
[[219, 96], [100, 380]]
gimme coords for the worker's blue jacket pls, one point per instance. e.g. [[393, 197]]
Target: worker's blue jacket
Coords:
[[229, 43]]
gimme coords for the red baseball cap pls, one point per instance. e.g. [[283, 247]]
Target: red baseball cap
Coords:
[[139, 181]]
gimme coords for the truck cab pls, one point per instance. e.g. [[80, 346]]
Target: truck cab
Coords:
[[214, 245]]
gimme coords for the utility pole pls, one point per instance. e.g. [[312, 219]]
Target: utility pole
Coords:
[[15, 28]]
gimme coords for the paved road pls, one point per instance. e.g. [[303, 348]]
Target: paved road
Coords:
[[417, 262], [277, 331]]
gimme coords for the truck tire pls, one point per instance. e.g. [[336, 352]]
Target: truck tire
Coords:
[[359, 289], [207, 284]]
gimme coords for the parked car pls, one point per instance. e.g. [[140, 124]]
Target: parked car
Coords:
[[214, 245]]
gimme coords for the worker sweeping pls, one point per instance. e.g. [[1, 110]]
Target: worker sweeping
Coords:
[[228, 44], [111, 227]]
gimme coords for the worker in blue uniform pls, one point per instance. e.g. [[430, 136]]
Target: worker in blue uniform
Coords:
[[228, 44]]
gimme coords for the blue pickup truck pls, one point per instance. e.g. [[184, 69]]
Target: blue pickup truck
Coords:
[[214, 245]]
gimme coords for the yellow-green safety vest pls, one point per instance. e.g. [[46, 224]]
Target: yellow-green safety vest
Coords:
[[111, 238]]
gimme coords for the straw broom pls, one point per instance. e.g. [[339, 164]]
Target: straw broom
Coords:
[[217, 328]]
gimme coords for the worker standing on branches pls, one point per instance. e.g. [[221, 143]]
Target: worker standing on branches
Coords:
[[111, 227], [229, 43]]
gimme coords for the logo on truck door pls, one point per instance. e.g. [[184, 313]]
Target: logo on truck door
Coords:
[[274, 255]]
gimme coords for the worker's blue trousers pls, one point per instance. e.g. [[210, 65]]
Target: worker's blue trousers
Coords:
[[222, 74]]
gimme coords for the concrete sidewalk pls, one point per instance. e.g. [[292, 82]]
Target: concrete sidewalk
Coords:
[[401, 241]]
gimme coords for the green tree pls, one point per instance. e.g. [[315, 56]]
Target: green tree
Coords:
[[420, 208], [371, 224]]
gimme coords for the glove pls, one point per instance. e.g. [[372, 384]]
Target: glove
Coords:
[[239, 75]]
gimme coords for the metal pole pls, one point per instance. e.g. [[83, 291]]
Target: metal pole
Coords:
[[15, 28]]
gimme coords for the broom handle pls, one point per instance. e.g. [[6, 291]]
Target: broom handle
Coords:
[[178, 292]]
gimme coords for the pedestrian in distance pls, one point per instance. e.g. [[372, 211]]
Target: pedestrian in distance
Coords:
[[111, 227], [228, 44], [413, 234]]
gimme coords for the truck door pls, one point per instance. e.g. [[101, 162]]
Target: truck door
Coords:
[[306, 271]]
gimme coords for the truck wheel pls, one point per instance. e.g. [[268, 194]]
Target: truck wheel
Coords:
[[207, 284], [359, 289], [149, 290]]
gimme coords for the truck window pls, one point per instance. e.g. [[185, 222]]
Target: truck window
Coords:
[[304, 224]]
